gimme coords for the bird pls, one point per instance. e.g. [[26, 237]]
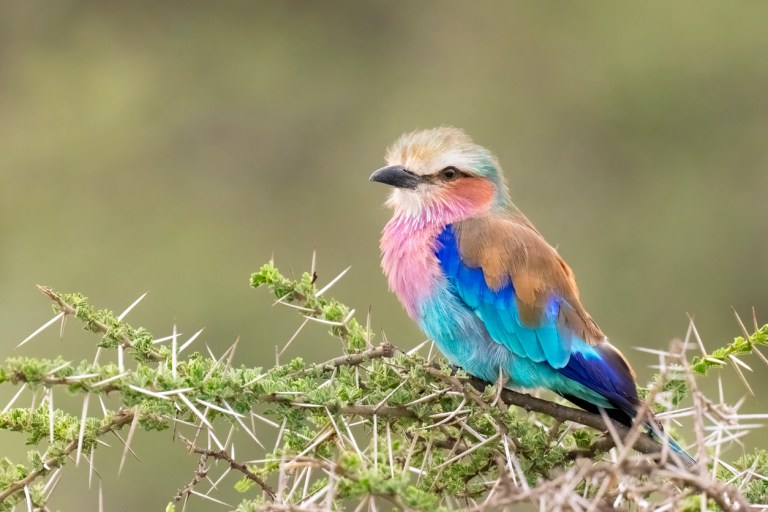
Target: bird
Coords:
[[482, 282]]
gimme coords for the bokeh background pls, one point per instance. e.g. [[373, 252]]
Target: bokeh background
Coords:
[[173, 147]]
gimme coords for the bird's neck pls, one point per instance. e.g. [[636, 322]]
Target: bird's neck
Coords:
[[408, 259]]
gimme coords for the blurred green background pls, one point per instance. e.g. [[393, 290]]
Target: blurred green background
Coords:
[[173, 147]]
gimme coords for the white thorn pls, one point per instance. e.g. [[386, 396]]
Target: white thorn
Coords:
[[60, 367], [194, 410], [128, 439], [109, 379], [41, 329], [90, 472], [96, 357], [375, 444], [103, 406], [10, 404], [75, 378], [205, 496], [742, 377], [255, 380], [165, 338], [323, 321], [175, 391], [739, 362], [174, 352], [245, 427], [265, 420], [120, 363], [51, 484], [217, 408], [51, 412], [190, 340], [295, 334], [148, 392], [417, 348], [333, 282], [695, 331], [29, 498], [129, 308], [348, 317], [322, 437]]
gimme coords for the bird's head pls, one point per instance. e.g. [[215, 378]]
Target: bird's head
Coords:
[[441, 175]]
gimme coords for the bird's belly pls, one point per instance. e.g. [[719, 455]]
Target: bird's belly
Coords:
[[461, 336], [463, 339]]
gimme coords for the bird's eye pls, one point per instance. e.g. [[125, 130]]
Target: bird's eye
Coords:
[[449, 173]]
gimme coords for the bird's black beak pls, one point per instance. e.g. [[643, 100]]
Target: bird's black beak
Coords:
[[397, 176]]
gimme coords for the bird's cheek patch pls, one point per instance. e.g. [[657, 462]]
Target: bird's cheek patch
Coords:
[[474, 192]]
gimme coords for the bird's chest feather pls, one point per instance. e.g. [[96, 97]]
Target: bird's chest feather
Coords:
[[409, 261]]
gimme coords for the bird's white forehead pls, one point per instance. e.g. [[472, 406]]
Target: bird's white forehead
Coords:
[[428, 151]]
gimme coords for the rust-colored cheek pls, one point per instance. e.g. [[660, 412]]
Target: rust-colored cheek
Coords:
[[474, 192]]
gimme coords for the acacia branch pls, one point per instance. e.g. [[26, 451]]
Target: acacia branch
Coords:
[[470, 386], [384, 350], [121, 418], [644, 444], [466, 414], [64, 306]]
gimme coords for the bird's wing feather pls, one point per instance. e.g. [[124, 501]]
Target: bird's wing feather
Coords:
[[509, 250], [518, 285]]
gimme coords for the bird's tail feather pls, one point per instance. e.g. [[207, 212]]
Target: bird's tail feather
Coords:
[[625, 416], [660, 437]]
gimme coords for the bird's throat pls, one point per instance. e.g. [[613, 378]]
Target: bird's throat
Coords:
[[409, 262]]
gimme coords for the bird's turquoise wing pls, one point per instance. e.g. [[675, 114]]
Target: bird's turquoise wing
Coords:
[[498, 309]]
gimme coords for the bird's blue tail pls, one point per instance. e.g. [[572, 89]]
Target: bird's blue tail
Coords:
[[604, 370], [659, 437], [626, 416]]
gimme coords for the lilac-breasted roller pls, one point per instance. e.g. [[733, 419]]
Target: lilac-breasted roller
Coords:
[[482, 282]]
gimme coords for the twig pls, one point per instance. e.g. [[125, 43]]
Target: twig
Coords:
[[644, 443], [384, 350], [223, 455], [201, 473]]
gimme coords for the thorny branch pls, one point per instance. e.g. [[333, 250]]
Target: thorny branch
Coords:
[[68, 309], [562, 413], [389, 425], [644, 443], [120, 419], [384, 350], [468, 385], [223, 455], [200, 474]]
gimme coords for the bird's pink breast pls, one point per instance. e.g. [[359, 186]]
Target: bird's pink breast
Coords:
[[409, 261]]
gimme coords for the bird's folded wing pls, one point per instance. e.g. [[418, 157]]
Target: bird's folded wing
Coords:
[[518, 285]]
